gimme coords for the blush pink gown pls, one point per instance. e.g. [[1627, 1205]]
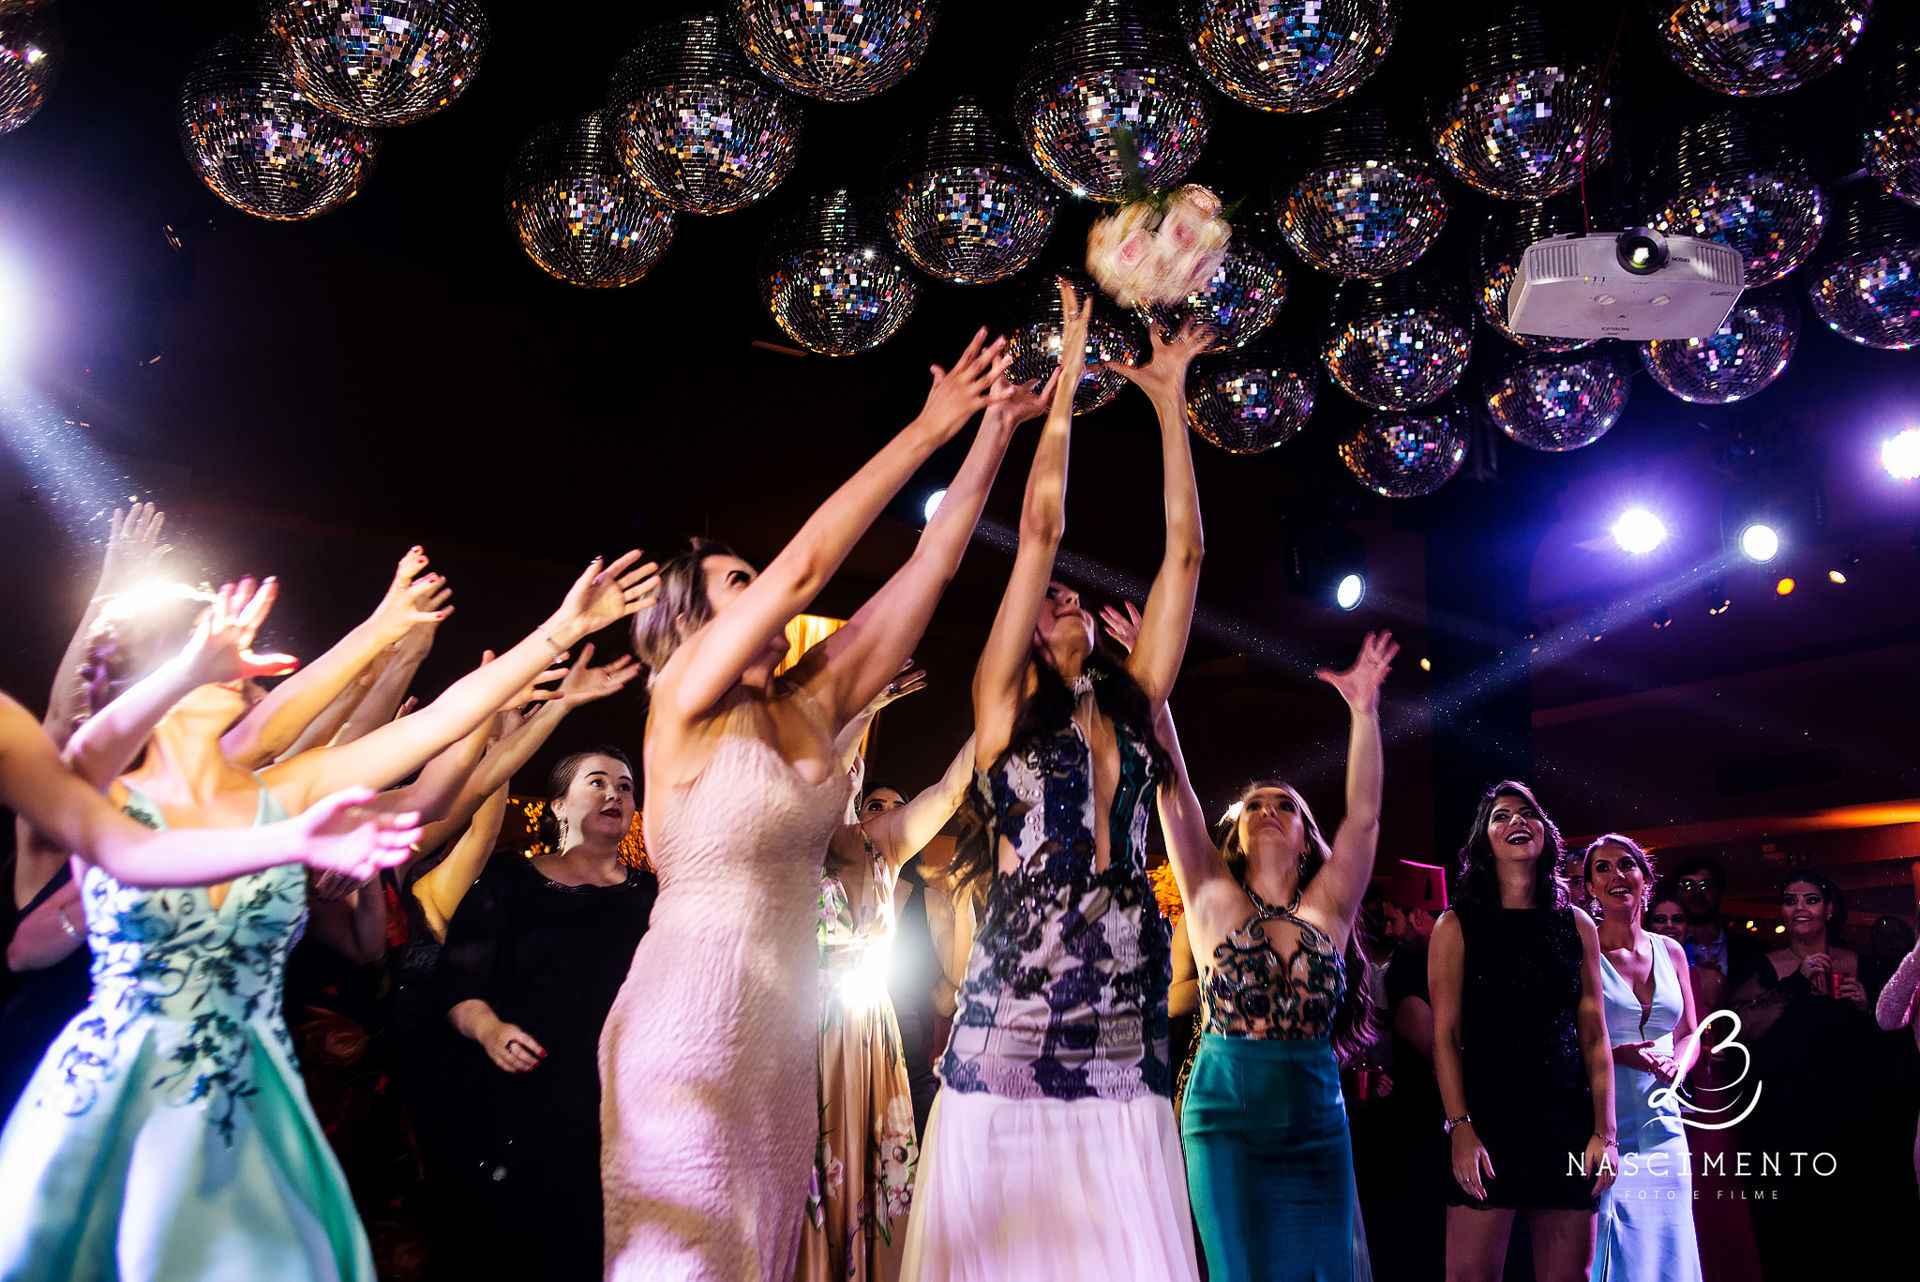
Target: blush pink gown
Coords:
[[708, 1108]]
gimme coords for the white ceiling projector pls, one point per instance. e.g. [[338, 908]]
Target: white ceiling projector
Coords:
[[1635, 284]]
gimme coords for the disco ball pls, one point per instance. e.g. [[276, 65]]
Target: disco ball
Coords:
[[1239, 300], [261, 144], [1558, 402], [1893, 106], [1749, 350], [696, 125], [1033, 340], [969, 207], [1866, 285], [1364, 204], [835, 50], [1289, 55], [29, 64], [1755, 47], [1726, 180], [1396, 343], [1404, 456], [1527, 115], [578, 212], [379, 62], [833, 280], [1251, 401], [1504, 238], [1112, 67]]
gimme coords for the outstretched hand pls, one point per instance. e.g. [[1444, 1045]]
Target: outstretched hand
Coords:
[[605, 594], [959, 393], [1017, 403], [1165, 374], [343, 836], [583, 684], [220, 648], [1360, 684], [133, 549], [1123, 628], [1076, 316], [909, 680]]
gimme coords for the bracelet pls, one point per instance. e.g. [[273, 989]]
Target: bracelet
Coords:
[[1608, 1140], [67, 925], [557, 651]]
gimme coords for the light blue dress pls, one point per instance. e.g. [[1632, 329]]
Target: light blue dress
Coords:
[[166, 1135], [1645, 1232]]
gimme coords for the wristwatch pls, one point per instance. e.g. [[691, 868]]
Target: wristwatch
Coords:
[[1452, 1122]]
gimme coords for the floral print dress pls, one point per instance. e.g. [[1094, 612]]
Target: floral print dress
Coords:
[[864, 1162], [166, 1134]]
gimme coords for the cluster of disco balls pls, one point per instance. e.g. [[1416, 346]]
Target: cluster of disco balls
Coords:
[[1893, 107], [278, 119], [30, 50], [1034, 341]]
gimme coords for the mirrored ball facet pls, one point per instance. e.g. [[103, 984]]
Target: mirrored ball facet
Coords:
[[30, 56], [697, 126], [1757, 47], [834, 50], [1240, 299], [1403, 456], [1396, 343], [1729, 180], [1866, 283], [1250, 402], [1749, 350], [832, 279], [1558, 402], [1362, 204], [1112, 67], [1289, 55], [380, 63], [969, 207], [578, 212], [260, 143], [1033, 340]]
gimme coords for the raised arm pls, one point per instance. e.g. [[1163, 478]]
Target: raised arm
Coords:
[[1043, 523], [1164, 625], [133, 551], [704, 669], [1206, 886], [1340, 885], [277, 721], [220, 649], [388, 691], [904, 831], [600, 597], [336, 835], [848, 668], [848, 744], [445, 779], [440, 889]]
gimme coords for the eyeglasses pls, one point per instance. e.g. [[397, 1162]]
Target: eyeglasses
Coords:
[[1698, 883]]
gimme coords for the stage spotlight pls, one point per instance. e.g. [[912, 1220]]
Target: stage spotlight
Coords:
[[1639, 531], [1784, 587], [1900, 455], [933, 502], [1351, 590], [1426, 665], [1718, 602], [1836, 576], [1328, 564], [1760, 542]]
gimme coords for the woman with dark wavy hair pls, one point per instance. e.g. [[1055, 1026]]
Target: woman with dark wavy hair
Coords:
[[1520, 1048], [1269, 1157], [1052, 1150]]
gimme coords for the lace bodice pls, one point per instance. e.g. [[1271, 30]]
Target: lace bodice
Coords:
[[210, 976], [1066, 988], [1277, 977]]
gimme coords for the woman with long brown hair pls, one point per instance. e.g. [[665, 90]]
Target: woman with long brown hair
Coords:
[[1269, 1158], [1520, 1048], [1056, 1097]]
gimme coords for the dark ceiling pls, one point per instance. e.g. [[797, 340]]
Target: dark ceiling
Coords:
[[313, 397]]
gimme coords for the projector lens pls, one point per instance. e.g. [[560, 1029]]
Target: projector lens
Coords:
[[1642, 250]]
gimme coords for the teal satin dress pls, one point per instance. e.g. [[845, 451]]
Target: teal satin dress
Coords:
[[166, 1134]]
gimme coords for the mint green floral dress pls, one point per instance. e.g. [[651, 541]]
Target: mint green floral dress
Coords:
[[166, 1135]]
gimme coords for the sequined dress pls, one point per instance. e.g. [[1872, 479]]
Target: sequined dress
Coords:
[[1526, 1083], [708, 1115], [166, 1135], [1052, 1151], [1269, 1160], [868, 1148]]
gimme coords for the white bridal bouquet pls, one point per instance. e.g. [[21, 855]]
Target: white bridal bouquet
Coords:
[[1158, 247]]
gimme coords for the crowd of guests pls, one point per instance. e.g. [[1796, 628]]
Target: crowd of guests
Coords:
[[796, 1031]]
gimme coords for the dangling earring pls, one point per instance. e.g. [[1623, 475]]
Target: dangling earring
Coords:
[[562, 848]]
